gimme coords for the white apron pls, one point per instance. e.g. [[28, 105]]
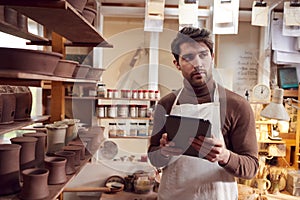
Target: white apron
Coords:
[[191, 178]]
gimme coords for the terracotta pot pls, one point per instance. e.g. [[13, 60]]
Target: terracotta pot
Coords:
[[10, 16], [81, 144], [70, 156], [35, 184], [57, 170], [7, 104], [27, 154], [28, 60], [55, 137], [22, 22], [76, 150], [39, 148], [81, 71], [9, 169], [65, 68], [78, 4], [89, 14], [94, 73], [23, 103]]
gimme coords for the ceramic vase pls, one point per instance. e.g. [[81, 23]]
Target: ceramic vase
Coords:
[[55, 137], [9, 169], [39, 148], [27, 153], [76, 150], [70, 156], [35, 184], [57, 170]]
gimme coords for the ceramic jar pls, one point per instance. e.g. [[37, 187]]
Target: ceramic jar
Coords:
[[27, 153], [72, 129], [55, 137], [76, 150], [7, 105], [35, 184], [9, 169], [81, 144], [70, 156], [23, 102], [57, 170], [39, 148]]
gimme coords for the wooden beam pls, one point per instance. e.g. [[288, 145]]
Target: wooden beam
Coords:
[[57, 101]]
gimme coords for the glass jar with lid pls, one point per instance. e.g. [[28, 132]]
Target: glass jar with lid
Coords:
[[121, 129], [112, 111], [142, 129], [133, 130], [112, 129], [101, 90], [142, 110]]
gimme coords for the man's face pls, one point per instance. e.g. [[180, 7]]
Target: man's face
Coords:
[[195, 63]]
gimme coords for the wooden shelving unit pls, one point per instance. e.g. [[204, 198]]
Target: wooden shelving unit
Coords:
[[60, 17]]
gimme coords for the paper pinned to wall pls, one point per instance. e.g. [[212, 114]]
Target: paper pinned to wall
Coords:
[[226, 16], [291, 14], [188, 13], [259, 15]]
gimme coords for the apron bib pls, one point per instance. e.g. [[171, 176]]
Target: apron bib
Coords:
[[194, 178]]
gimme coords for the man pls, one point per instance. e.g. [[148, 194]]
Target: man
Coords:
[[230, 152]]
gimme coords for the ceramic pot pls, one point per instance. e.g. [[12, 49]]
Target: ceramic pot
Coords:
[[94, 73], [29, 60], [65, 68], [27, 154], [89, 14], [39, 148], [7, 105], [9, 169], [35, 184], [81, 71], [55, 137], [76, 150], [23, 102], [10, 16], [78, 4], [82, 145], [72, 128], [57, 170], [22, 22], [70, 156]]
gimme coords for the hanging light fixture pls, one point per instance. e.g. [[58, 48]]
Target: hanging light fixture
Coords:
[[276, 110]]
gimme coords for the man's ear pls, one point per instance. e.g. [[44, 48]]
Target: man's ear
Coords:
[[177, 64]]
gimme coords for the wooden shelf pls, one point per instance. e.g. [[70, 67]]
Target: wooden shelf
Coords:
[[29, 79], [132, 118], [12, 30], [291, 93], [60, 17], [4, 128], [130, 137], [124, 99]]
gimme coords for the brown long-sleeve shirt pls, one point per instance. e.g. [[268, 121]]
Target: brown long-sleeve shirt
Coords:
[[237, 122]]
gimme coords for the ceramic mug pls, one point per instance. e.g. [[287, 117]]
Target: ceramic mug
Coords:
[[263, 184]]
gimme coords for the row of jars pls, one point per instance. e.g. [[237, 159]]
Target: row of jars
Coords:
[[132, 129], [124, 110], [129, 94]]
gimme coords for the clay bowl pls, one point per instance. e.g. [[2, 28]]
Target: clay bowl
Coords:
[[65, 68], [27, 60], [78, 4], [89, 14], [94, 73], [81, 71]]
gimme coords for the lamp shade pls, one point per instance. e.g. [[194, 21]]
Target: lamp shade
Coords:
[[276, 110]]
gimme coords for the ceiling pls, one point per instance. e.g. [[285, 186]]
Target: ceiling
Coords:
[[244, 4]]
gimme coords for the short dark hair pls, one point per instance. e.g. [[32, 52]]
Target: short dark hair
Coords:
[[191, 34]]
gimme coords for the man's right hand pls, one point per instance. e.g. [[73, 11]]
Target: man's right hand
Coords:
[[167, 148]]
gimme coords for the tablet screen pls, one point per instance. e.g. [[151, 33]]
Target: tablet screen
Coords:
[[180, 129]]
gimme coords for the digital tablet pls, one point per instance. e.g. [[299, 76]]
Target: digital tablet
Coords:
[[180, 129]]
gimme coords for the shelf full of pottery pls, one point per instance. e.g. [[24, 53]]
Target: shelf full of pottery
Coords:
[[49, 158]]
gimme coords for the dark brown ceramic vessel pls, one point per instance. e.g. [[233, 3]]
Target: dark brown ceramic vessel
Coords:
[[77, 150], [27, 153], [81, 144], [70, 156], [81, 71], [57, 170], [35, 184], [78, 4], [39, 148], [23, 103], [7, 108], [65, 68], [89, 14], [9, 169]]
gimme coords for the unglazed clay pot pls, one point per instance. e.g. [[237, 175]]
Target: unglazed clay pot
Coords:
[[72, 129], [81, 71], [35, 184], [39, 148], [56, 134], [57, 170], [7, 105], [23, 102], [89, 14], [81, 144], [77, 150], [70, 156], [9, 169], [27, 154], [78, 4], [65, 68]]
